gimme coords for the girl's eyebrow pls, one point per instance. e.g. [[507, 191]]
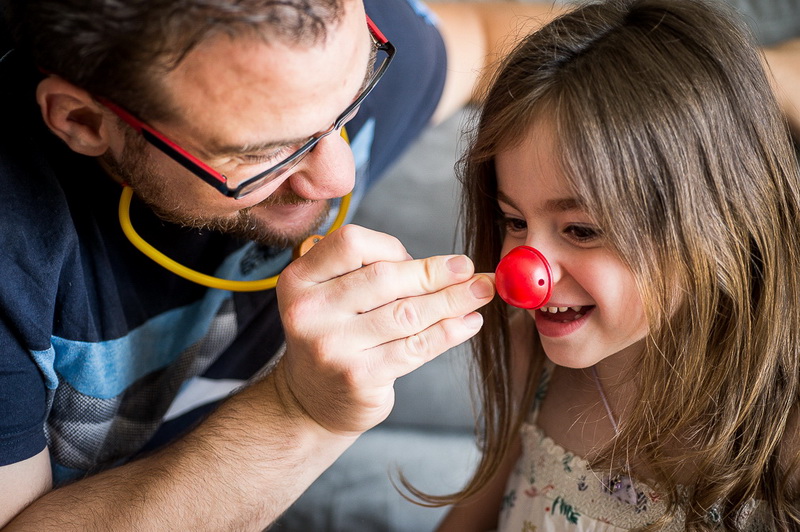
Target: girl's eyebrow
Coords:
[[502, 196], [552, 205], [563, 205]]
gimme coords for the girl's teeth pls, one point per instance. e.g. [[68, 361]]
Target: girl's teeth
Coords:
[[553, 310]]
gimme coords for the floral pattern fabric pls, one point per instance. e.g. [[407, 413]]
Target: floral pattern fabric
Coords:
[[553, 490]]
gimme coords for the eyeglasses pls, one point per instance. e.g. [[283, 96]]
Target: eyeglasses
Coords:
[[220, 181]]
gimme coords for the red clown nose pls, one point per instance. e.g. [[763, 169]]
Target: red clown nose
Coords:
[[523, 278]]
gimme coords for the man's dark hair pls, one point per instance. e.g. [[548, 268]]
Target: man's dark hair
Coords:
[[118, 49]]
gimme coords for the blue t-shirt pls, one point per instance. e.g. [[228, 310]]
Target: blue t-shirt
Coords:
[[104, 354]]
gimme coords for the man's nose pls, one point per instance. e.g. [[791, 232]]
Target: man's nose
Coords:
[[327, 172]]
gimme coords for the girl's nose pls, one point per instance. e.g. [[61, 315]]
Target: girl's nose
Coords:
[[524, 278]]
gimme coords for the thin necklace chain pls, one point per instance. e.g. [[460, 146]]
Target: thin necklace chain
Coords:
[[615, 482], [602, 393]]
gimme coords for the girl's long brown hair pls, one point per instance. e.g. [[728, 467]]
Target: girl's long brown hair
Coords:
[[669, 132]]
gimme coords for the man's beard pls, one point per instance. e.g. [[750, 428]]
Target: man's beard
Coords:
[[135, 168]]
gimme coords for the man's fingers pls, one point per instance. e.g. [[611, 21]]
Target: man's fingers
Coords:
[[345, 250], [400, 357], [383, 282], [409, 316]]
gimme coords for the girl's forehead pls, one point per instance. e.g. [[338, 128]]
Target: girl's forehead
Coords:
[[532, 166]]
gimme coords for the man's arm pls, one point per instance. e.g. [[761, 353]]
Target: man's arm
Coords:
[[237, 471], [22, 483], [358, 314], [784, 63], [477, 35], [481, 33]]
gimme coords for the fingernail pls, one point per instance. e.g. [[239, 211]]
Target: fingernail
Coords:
[[458, 264], [482, 288], [473, 320]]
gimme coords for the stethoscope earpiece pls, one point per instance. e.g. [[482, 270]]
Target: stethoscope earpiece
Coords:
[[523, 278]]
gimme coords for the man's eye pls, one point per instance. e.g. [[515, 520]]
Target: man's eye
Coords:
[[583, 233], [275, 156]]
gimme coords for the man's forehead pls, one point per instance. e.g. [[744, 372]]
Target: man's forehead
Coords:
[[228, 84]]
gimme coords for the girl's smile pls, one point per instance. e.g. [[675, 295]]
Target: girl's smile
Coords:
[[561, 321]]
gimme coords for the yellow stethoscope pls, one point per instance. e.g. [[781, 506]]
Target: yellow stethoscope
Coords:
[[193, 275]]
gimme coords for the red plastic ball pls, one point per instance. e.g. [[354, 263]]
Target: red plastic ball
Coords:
[[523, 278]]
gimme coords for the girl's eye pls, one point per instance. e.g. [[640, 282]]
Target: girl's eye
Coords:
[[583, 234], [513, 225]]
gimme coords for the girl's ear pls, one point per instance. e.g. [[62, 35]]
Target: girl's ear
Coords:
[[74, 116]]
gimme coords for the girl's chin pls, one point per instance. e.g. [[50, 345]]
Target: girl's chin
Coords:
[[569, 360]]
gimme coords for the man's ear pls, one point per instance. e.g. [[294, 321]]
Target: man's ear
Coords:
[[74, 116]]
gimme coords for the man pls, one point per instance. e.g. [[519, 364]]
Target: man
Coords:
[[223, 120]]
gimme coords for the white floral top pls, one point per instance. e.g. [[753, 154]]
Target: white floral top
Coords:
[[553, 490]]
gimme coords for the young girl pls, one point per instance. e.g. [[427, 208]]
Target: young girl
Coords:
[[638, 146]]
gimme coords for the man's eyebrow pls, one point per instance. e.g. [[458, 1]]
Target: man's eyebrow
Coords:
[[553, 205], [221, 150]]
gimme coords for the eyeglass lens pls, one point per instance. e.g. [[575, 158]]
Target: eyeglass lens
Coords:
[[260, 180]]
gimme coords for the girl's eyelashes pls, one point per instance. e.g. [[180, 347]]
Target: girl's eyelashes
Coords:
[[576, 232], [583, 233], [512, 225]]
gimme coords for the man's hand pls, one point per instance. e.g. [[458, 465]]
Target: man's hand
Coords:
[[359, 312]]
